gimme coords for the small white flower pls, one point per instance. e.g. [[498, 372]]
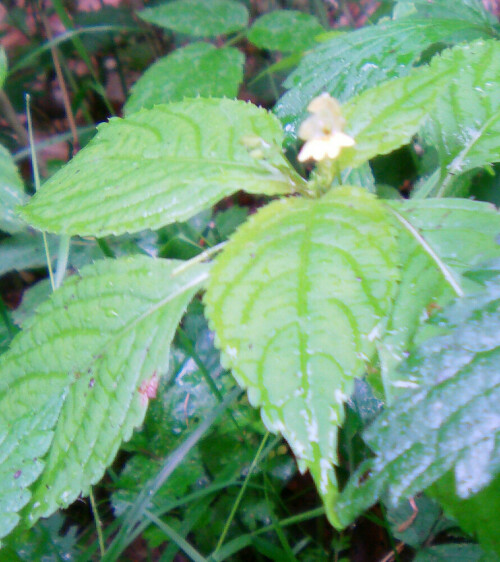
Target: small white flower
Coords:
[[322, 131]]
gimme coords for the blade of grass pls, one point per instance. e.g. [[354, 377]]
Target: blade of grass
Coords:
[[54, 139], [98, 523], [174, 536], [237, 544], [239, 497], [188, 346], [143, 501], [36, 179], [67, 36]]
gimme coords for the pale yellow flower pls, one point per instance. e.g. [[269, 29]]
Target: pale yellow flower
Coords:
[[322, 131]]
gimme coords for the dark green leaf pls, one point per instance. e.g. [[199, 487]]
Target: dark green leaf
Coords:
[[450, 420], [11, 192], [285, 30], [200, 69], [198, 18]]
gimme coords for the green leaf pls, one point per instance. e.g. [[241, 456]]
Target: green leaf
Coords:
[[385, 117], [11, 193], [285, 30], [463, 234], [452, 553], [198, 18], [24, 439], [477, 515], [94, 342], [467, 10], [164, 165], [3, 66], [449, 421], [464, 126], [199, 69], [297, 300], [352, 62], [22, 251], [48, 540]]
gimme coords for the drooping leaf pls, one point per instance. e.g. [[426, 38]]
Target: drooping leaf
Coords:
[[449, 421], [199, 69], [164, 165], [97, 342], [11, 193], [285, 30], [464, 126], [350, 63], [462, 233], [297, 300], [198, 18]]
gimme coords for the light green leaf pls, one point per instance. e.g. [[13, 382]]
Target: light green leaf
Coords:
[[463, 234], [23, 441], [11, 193], [297, 300], [464, 126], [199, 69], [352, 62], [449, 421], [385, 117], [3, 66], [198, 18], [164, 165], [285, 30], [95, 342]]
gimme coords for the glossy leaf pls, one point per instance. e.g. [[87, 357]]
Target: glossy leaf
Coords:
[[199, 69], [11, 193], [350, 63], [464, 126], [285, 30], [449, 421], [462, 233], [164, 165], [297, 300], [198, 18], [96, 342]]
